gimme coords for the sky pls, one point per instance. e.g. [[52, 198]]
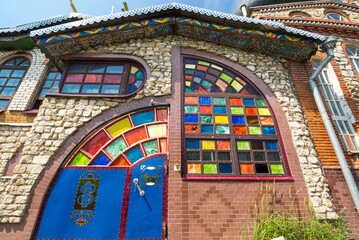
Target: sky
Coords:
[[17, 12]]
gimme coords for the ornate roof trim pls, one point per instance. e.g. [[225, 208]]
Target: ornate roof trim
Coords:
[[146, 12], [44, 23]]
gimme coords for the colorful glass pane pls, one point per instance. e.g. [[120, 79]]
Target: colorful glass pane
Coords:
[[206, 129], [254, 130], [269, 131], [158, 130], [263, 111], [219, 110], [163, 144], [80, 160], [247, 169], [276, 169], [221, 119], [252, 120], [150, 147], [96, 142], [235, 101], [134, 154], [101, 160], [121, 162], [226, 78], [202, 68], [251, 111], [205, 109], [190, 100], [236, 85], [238, 120], [222, 129], [190, 109], [209, 168], [222, 85], [93, 78], [116, 147], [112, 79], [119, 127], [240, 129], [223, 145], [267, 121], [219, 101], [204, 63], [243, 145], [135, 135], [191, 128], [261, 103], [192, 144], [193, 168], [271, 145], [205, 100], [74, 78], [143, 118], [191, 118], [208, 144], [162, 114], [206, 119], [225, 168], [237, 110]]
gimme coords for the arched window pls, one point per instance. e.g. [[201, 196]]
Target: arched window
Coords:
[[229, 127], [11, 73], [335, 16], [338, 106], [103, 78], [353, 54]]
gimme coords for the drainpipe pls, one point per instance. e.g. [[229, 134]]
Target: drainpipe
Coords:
[[328, 46]]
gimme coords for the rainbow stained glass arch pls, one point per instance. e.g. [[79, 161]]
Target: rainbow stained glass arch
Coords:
[[124, 141]]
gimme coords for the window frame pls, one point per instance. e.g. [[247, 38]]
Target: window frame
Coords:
[[342, 17], [12, 67], [231, 137], [353, 57]]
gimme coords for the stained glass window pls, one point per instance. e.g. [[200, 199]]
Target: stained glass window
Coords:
[[103, 79], [11, 74], [229, 127], [124, 140]]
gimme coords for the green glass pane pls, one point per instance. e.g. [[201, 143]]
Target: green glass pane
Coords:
[[116, 147], [190, 66], [207, 85], [237, 110], [226, 78], [276, 169], [190, 109], [254, 130], [150, 147], [261, 102], [203, 63], [209, 168], [222, 129], [219, 101], [243, 145], [217, 67], [80, 159], [206, 119]]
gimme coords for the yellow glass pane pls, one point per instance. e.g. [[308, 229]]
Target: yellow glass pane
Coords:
[[188, 83], [263, 111], [158, 130], [119, 127], [221, 119], [208, 145], [193, 168], [134, 70], [237, 85]]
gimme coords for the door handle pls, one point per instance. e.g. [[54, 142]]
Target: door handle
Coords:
[[142, 193]]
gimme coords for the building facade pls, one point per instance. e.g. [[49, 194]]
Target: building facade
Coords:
[[173, 122]]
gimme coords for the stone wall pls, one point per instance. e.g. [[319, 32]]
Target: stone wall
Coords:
[[61, 117]]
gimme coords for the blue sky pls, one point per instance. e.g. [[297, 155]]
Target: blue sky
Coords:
[[18, 12]]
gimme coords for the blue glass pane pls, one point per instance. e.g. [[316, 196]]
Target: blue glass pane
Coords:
[[192, 144], [250, 90], [48, 84], [228, 73], [268, 130], [134, 154], [194, 86], [53, 91], [8, 91], [56, 84], [191, 118], [205, 100], [2, 81], [197, 79], [130, 89], [248, 102], [44, 92], [200, 74], [206, 129], [238, 120], [110, 89], [138, 83], [225, 168], [77, 68], [18, 73], [13, 82], [143, 117], [188, 89], [71, 88], [101, 160], [91, 89], [5, 73], [215, 89], [190, 61], [139, 75], [58, 76], [217, 109], [51, 75], [191, 72], [271, 145], [96, 68], [3, 103], [114, 69]]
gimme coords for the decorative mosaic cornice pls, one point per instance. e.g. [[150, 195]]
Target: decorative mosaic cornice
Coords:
[[283, 45]]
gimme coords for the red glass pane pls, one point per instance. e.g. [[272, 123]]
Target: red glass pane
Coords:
[[241, 81], [112, 78], [202, 68], [188, 77], [163, 144], [96, 143], [162, 114], [191, 128], [131, 79], [244, 91], [247, 169], [201, 89], [205, 109], [93, 78], [121, 161], [74, 77], [190, 99], [235, 101], [136, 135], [223, 145], [240, 130], [251, 111]]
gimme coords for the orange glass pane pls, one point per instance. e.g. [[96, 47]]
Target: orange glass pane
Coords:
[[241, 81], [93, 78], [188, 77], [223, 145], [240, 129], [205, 109], [235, 101], [247, 169], [96, 142], [202, 68], [190, 100], [251, 111], [267, 121], [201, 89], [162, 114], [191, 128], [244, 91], [222, 85], [136, 135], [193, 168], [163, 144], [121, 161]]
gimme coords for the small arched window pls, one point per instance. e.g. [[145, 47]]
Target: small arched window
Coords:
[[112, 78], [353, 54], [12, 72], [335, 16]]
